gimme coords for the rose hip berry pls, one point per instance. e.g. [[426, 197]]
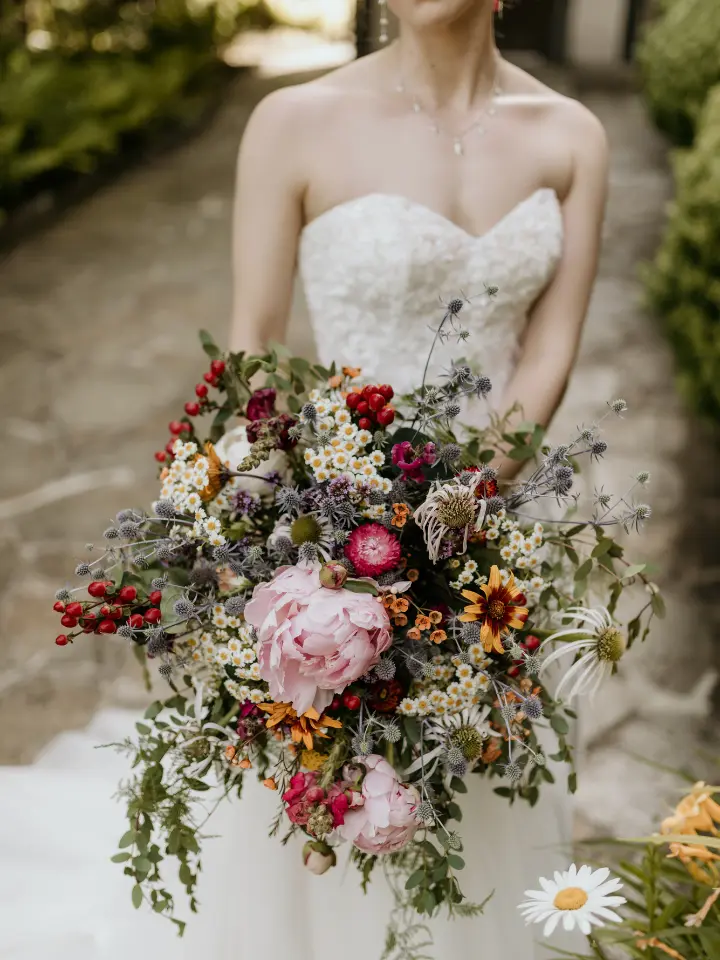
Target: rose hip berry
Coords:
[[68, 621], [176, 427], [153, 615], [531, 643], [107, 626], [59, 606], [376, 402], [387, 391], [155, 597], [201, 390], [365, 423], [217, 367], [61, 640], [127, 594], [352, 400], [97, 589], [385, 416], [351, 701], [363, 408], [135, 620], [192, 409], [74, 609], [160, 456]]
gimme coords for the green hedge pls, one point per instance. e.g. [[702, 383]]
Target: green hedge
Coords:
[[684, 282], [82, 81], [680, 61]]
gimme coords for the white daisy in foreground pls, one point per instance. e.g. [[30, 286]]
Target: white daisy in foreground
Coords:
[[581, 898], [601, 644]]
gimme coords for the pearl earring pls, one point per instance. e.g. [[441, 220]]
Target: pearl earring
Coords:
[[383, 22]]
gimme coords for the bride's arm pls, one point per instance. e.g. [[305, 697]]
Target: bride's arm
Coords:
[[267, 221], [553, 334]]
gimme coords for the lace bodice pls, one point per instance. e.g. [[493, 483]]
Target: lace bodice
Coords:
[[375, 270]]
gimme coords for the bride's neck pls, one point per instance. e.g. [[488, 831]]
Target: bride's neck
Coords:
[[450, 66]]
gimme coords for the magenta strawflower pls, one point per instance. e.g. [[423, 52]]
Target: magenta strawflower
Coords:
[[372, 550]]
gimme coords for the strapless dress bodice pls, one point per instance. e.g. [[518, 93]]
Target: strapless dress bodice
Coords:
[[378, 271]]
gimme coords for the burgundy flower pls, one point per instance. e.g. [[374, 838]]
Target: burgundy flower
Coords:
[[405, 458], [279, 427], [385, 695], [261, 405]]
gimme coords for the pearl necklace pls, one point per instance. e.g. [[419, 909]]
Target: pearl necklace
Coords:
[[458, 140]]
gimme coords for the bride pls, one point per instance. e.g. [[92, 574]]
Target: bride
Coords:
[[432, 169], [428, 171]]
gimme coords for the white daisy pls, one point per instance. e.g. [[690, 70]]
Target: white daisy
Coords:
[[580, 897], [601, 644]]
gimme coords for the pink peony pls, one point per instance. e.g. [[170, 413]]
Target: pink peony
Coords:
[[386, 820], [372, 550], [313, 642]]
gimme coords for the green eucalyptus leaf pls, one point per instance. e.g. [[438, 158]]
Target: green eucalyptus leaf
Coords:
[[209, 345], [137, 896]]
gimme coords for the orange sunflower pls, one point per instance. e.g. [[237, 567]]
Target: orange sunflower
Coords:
[[302, 729], [496, 610]]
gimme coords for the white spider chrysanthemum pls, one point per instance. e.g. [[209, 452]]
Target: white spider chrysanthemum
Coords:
[[601, 644], [579, 897], [450, 509]]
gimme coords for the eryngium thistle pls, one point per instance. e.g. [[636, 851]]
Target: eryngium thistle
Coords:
[[533, 707], [63, 594], [288, 499], [158, 643], [165, 509], [532, 664], [111, 533], [508, 711], [141, 562], [482, 386], [452, 410], [598, 448], [385, 669], [495, 505], [307, 553], [308, 412], [450, 454], [204, 574], [362, 744], [165, 670], [618, 406], [158, 583], [234, 606], [125, 631], [124, 515], [128, 529], [83, 570], [470, 633], [184, 608], [99, 573], [165, 551], [640, 513], [254, 554], [391, 732], [456, 762], [513, 771], [557, 455], [376, 497], [425, 812], [562, 480], [642, 478]]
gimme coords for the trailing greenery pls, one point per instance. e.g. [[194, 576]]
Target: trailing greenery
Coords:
[[680, 61], [684, 282], [80, 83]]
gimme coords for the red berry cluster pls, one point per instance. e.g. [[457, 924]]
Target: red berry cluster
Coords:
[[530, 644], [192, 409], [372, 407], [110, 610]]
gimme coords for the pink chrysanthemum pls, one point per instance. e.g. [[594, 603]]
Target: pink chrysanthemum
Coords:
[[372, 550]]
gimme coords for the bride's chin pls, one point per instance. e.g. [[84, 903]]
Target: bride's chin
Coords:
[[425, 14]]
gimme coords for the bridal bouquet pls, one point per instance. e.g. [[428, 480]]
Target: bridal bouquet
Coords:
[[347, 605]]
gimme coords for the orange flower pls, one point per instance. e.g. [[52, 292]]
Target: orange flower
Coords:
[[352, 372], [335, 381], [230, 752], [401, 620], [435, 616], [413, 633], [388, 600], [437, 636], [217, 474], [412, 575], [496, 609], [245, 764], [164, 473], [400, 605], [492, 751], [696, 812], [270, 784], [398, 522], [422, 622], [302, 729]]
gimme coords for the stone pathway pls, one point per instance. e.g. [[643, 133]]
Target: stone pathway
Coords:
[[98, 352]]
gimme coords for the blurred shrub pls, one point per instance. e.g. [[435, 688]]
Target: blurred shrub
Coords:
[[684, 282], [82, 79], [680, 60]]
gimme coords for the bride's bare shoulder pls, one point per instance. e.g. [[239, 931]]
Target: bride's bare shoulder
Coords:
[[557, 114]]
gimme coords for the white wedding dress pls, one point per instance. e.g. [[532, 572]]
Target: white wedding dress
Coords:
[[374, 269]]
